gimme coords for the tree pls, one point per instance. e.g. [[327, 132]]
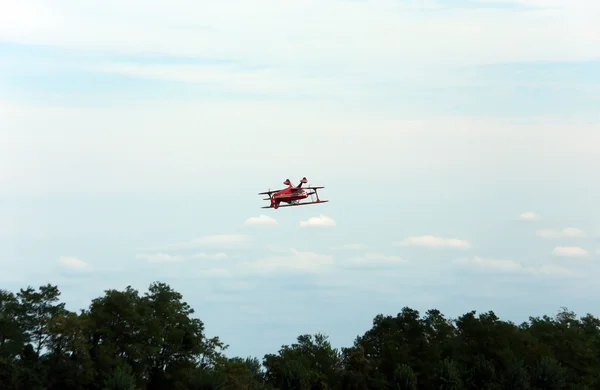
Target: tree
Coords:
[[516, 376], [404, 378], [549, 374], [12, 335], [68, 361], [357, 369], [447, 376], [128, 341], [310, 363], [122, 379], [116, 334], [36, 309]]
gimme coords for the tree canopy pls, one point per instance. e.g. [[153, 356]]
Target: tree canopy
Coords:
[[129, 341]]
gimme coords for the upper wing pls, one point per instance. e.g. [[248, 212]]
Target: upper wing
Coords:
[[268, 192], [294, 189]]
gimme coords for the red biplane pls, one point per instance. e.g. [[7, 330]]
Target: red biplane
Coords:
[[291, 195]]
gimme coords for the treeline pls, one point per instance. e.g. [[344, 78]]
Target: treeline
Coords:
[[128, 341]]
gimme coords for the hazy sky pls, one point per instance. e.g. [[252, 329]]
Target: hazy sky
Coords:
[[459, 143]]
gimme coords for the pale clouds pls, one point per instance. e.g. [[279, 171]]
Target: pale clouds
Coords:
[[434, 242], [191, 270], [129, 159], [538, 34], [210, 256], [350, 247], [261, 220], [553, 270], [376, 259], [73, 263], [320, 221], [491, 264], [563, 233], [511, 266], [570, 251], [231, 78], [159, 257], [529, 216], [210, 273], [293, 262], [218, 240]]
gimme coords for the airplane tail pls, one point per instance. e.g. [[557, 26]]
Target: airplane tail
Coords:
[[302, 182], [287, 182]]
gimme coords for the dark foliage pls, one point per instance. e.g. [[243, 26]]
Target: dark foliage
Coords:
[[128, 341]]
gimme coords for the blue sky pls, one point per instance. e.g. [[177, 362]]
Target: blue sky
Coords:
[[457, 144]]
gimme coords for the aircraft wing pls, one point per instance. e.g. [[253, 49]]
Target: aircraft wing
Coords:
[[268, 192]]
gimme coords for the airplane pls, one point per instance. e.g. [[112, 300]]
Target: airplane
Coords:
[[292, 196]]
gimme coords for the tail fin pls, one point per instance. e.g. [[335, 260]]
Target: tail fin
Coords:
[[302, 182], [287, 182]]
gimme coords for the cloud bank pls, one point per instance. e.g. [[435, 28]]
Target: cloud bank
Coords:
[[320, 221], [434, 242], [564, 233]]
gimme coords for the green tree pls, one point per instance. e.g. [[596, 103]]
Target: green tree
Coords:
[[128, 341], [12, 335], [36, 309], [404, 378], [240, 374], [397, 340], [447, 376], [549, 374], [116, 334], [176, 338], [68, 362], [516, 376], [357, 369], [8, 374], [311, 363], [121, 379], [482, 376]]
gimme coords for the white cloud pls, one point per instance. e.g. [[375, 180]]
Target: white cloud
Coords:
[[261, 80], [45, 157], [161, 257], [158, 257], [504, 265], [191, 270], [570, 251], [553, 270], [529, 216], [73, 263], [220, 240], [261, 220], [350, 247], [567, 232], [376, 259], [580, 5], [491, 264], [212, 273], [295, 261], [210, 256], [321, 221], [275, 32], [432, 241]]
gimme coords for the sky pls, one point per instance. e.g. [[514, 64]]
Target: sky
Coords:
[[458, 143]]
